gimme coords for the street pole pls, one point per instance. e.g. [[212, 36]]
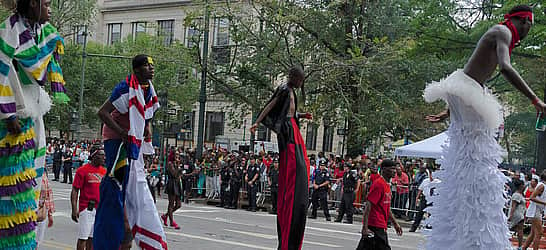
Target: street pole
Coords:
[[203, 93], [84, 57], [244, 130], [344, 135]]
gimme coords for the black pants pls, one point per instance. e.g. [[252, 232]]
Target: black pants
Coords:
[[379, 241], [57, 170], [322, 196], [274, 196], [413, 206], [422, 205], [252, 191], [67, 172], [400, 203], [224, 195], [346, 206], [234, 193]]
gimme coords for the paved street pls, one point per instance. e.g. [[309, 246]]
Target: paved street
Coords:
[[208, 227]]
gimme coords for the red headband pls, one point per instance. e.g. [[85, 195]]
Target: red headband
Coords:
[[515, 36], [520, 14]]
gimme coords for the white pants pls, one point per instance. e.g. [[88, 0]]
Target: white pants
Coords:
[[209, 185], [86, 223], [216, 185]]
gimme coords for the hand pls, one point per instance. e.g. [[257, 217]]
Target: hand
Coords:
[[13, 126], [75, 216], [50, 221], [315, 186], [124, 135], [307, 116], [433, 118], [365, 231], [41, 213], [398, 229], [254, 127], [541, 107]]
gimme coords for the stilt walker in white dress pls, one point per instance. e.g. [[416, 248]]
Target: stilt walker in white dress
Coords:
[[468, 213]]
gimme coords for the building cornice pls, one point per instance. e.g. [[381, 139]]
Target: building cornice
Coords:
[[116, 7]]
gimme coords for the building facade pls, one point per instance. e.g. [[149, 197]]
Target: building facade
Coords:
[[125, 19]]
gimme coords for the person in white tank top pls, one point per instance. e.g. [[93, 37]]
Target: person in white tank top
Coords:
[[535, 213]]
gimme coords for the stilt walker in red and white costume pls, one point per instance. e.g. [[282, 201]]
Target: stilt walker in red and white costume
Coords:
[[281, 116]]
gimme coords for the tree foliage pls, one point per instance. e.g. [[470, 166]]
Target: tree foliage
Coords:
[[102, 72]]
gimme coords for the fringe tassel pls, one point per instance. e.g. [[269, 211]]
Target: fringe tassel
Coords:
[[11, 221], [18, 240], [18, 178], [19, 229]]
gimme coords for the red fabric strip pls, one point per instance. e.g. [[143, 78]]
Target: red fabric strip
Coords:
[[151, 235], [135, 141], [134, 102]]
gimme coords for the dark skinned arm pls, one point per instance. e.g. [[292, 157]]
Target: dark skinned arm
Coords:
[[366, 215], [503, 39], [264, 113], [74, 203], [105, 116]]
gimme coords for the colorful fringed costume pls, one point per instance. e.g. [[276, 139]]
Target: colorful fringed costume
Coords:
[[28, 59], [125, 187]]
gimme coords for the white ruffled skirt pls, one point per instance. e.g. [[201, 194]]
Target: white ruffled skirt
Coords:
[[468, 212]]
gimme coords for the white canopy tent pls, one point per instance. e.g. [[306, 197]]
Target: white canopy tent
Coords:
[[428, 148]]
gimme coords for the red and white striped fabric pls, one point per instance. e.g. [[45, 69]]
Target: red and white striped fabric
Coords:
[[139, 112], [142, 213]]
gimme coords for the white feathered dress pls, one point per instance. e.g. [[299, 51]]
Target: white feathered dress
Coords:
[[468, 212]]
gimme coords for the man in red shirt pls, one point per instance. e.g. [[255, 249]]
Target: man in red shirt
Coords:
[[401, 181], [377, 211], [86, 183]]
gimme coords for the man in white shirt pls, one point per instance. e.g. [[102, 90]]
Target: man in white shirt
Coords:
[[426, 190]]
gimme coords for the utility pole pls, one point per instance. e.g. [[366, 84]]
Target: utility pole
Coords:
[[203, 93], [84, 57]]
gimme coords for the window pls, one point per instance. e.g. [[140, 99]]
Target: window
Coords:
[[114, 33], [311, 136], [79, 36], [220, 50], [214, 126], [139, 28], [221, 29], [263, 133], [328, 138], [166, 31], [193, 34]]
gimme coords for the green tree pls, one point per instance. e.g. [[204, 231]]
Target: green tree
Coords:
[[173, 67]]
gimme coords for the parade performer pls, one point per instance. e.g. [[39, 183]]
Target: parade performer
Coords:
[[468, 212], [127, 209], [281, 116], [29, 57]]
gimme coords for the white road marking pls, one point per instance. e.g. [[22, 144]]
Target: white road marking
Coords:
[[220, 241], [62, 214], [273, 237], [265, 236]]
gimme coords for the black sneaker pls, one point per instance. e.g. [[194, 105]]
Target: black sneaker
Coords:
[[347, 222], [412, 230], [328, 219], [312, 217], [337, 220]]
